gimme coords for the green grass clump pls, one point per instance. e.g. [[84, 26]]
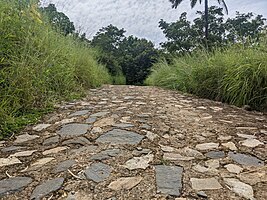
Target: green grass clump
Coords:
[[39, 66], [237, 75]]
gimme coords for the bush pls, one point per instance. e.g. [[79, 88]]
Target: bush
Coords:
[[237, 75], [39, 66]]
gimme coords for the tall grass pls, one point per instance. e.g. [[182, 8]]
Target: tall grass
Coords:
[[237, 75], [39, 66]]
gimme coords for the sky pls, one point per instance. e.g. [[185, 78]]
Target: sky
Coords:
[[140, 17]]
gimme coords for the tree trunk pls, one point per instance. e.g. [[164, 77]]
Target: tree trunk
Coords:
[[206, 20]]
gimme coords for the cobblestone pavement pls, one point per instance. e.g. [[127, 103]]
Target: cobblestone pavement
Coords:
[[129, 143]]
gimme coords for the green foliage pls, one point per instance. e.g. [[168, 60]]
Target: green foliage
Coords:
[[58, 19], [184, 36], [236, 75], [39, 66], [129, 56]]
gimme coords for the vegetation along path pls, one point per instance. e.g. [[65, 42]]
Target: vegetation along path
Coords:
[[129, 142]]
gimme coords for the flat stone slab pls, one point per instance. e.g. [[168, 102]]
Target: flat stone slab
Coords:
[[118, 136], [122, 125], [246, 160], [169, 179], [125, 183], [23, 153], [64, 166], [73, 130], [80, 140], [46, 188], [106, 154], [14, 184], [11, 148], [207, 146], [99, 114], [233, 168], [42, 161], [91, 120], [79, 113], [205, 184], [25, 138], [41, 127], [176, 157], [51, 140], [54, 150], [9, 161], [98, 172], [215, 154], [242, 189], [139, 162], [251, 143]]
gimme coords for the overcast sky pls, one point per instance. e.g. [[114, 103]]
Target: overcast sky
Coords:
[[139, 17]]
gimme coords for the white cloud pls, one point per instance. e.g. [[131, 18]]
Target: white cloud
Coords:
[[139, 17]]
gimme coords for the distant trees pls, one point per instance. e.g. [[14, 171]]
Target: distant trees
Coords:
[[133, 56], [185, 36]]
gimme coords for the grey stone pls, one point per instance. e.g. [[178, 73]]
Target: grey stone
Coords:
[[25, 138], [118, 136], [64, 166], [11, 148], [215, 154], [91, 120], [122, 125], [98, 172], [51, 140], [141, 152], [99, 114], [246, 160], [202, 194], [169, 179], [145, 126], [73, 130], [79, 113], [80, 140], [103, 155], [46, 188], [14, 184]]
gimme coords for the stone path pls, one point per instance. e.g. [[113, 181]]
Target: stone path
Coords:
[[128, 143]]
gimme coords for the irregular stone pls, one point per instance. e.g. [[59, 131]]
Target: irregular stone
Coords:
[[123, 125], [79, 196], [42, 161], [64, 166], [46, 188], [54, 150], [79, 113], [99, 114], [11, 148], [91, 120], [13, 184], [167, 148], [233, 168], [41, 127], [80, 140], [202, 194], [247, 128], [96, 130], [9, 161], [151, 136], [118, 136], [51, 140], [98, 172], [125, 183], [242, 189], [169, 179], [106, 154], [215, 154], [87, 149], [25, 138], [192, 152], [176, 157], [145, 126], [246, 160], [23, 153], [139, 162], [200, 168], [212, 164], [205, 184], [221, 137], [207, 146], [254, 177], [251, 143], [66, 121], [109, 121], [246, 136], [230, 145], [73, 130]]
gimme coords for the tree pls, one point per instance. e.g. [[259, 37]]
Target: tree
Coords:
[[137, 58], [58, 19], [176, 3]]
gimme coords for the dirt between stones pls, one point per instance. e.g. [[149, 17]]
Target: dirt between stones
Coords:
[[129, 142]]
